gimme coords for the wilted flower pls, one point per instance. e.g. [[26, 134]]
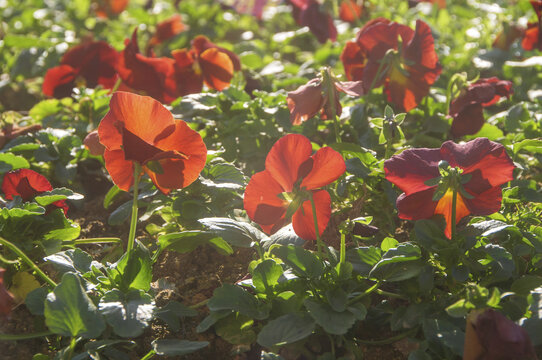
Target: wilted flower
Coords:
[[387, 53], [467, 109], [92, 62], [28, 184], [138, 129], [492, 336], [284, 188], [93, 144], [309, 13], [428, 177]]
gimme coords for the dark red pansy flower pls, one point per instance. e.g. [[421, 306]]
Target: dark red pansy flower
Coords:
[[140, 129], [350, 10], [531, 37], [307, 100], [205, 63], [291, 173], [6, 298], [309, 13], [467, 109], [110, 8], [509, 34], [151, 75], [491, 335], [93, 61], [167, 29], [485, 164], [387, 53], [28, 184]]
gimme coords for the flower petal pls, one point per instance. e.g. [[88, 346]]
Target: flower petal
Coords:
[[486, 203], [416, 206], [468, 121], [303, 220], [352, 88], [59, 81], [444, 207], [354, 59], [305, 101], [217, 68], [327, 166], [202, 43], [286, 157], [25, 183], [120, 170]]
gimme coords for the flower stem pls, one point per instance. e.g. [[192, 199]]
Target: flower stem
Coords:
[[27, 260], [133, 221], [363, 294], [11, 337], [454, 205], [94, 241], [149, 355], [318, 240], [343, 249], [73, 342], [116, 86], [331, 95]]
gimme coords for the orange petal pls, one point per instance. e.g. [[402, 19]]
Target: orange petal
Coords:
[[328, 165], [217, 68], [120, 170], [261, 200], [444, 207], [303, 220]]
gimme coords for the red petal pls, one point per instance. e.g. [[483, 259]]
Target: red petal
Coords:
[[25, 183], [319, 22], [468, 121], [136, 149], [188, 81], [411, 168], [444, 207], [352, 88], [110, 8], [262, 203], [59, 81], [168, 29], [488, 157], [354, 59], [328, 165], [305, 101], [350, 11], [380, 35], [530, 38], [217, 69], [120, 170], [486, 203], [303, 220], [416, 206], [286, 157], [421, 50]]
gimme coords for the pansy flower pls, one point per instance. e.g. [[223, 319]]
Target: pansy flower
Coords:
[[138, 129], [6, 298], [387, 53], [92, 62], [309, 99], [151, 75], [309, 13], [481, 165], [110, 8], [205, 63], [467, 109], [292, 174], [167, 29], [350, 10], [531, 38], [28, 184]]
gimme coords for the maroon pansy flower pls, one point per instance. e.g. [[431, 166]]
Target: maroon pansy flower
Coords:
[[392, 55], [483, 165], [467, 109], [92, 62], [309, 13], [28, 184]]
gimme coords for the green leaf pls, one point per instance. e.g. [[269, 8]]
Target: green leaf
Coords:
[[525, 284], [236, 329], [224, 176], [364, 258], [111, 195], [71, 231], [399, 263], [172, 313], [430, 235], [533, 146], [443, 332], [337, 299], [10, 162], [236, 233], [388, 243], [284, 236], [333, 322], [133, 270], [286, 329], [128, 314], [303, 262], [73, 260], [234, 298], [266, 275], [35, 300], [186, 241], [28, 209], [70, 312], [174, 347], [460, 308]]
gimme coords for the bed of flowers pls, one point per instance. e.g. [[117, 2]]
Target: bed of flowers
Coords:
[[270, 179]]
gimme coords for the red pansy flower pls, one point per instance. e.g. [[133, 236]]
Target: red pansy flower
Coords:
[[350, 11], [291, 172], [308, 99], [93, 61], [110, 8], [28, 184], [139, 129], [309, 13], [150, 75], [491, 335], [205, 63], [167, 29], [6, 298], [531, 38], [484, 164], [467, 109], [387, 53]]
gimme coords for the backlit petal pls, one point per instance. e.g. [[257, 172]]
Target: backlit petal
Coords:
[[444, 207], [217, 68], [486, 203], [120, 170], [328, 165], [303, 220], [25, 183], [416, 206], [305, 101], [354, 59], [59, 81]]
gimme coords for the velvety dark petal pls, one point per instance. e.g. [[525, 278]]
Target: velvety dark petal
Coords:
[[303, 220], [319, 22], [380, 35], [485, 203], [444, 207], [305, 101], [328, 165], [136, 149], [217, 68], [261, 200], [480, 154], [468, 121], [354, 59], [421, 50], [404, 90], [188, 81], [411, 168], [59, 81], [120, 169], [25, 183], [416, 206]]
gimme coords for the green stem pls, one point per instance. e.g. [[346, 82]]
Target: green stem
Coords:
[[149, 355], [318, 240], [27, 260], [200, 304], [331, 94], [133, 221], [389, 294], [10, 337], [94, 241], [389, 150], [116, 86], [7, 261], [73, 342], [383, 62], [363, 294], [343, 249], [389, 340], [454, 205]]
